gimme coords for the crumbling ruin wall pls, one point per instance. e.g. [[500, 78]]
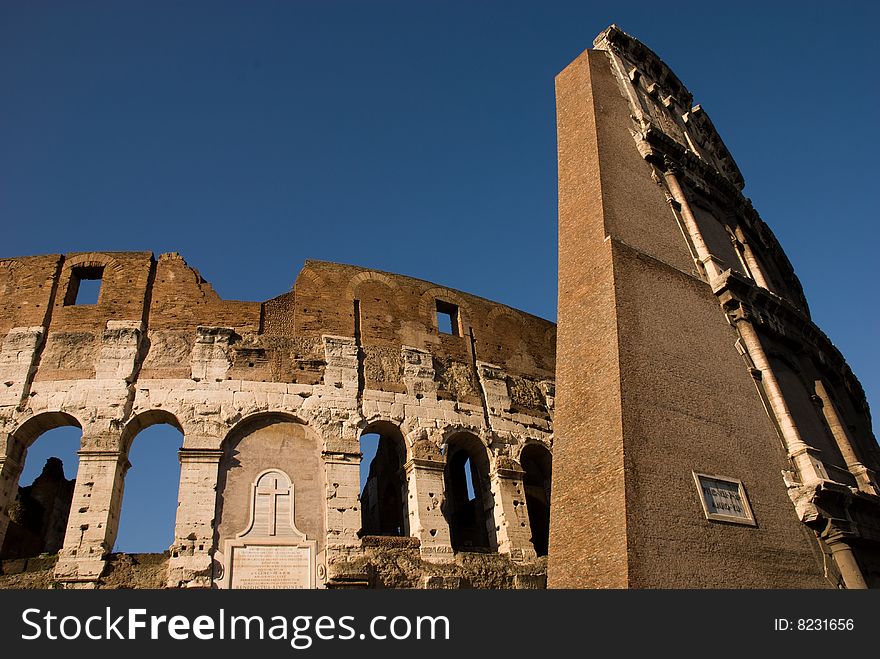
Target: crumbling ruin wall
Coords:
[[289, 384]]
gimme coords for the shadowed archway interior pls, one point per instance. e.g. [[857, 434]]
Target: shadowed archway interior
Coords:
[[383, 482]]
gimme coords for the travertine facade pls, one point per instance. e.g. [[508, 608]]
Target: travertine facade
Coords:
[[686, 351], [290, 385]]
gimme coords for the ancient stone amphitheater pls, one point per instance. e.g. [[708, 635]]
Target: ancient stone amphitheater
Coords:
[[705, 432]]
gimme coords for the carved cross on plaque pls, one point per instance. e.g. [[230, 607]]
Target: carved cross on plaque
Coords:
[[272, 506], [268, 487], [271, 552]]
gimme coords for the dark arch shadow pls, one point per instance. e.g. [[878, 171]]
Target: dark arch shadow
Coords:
[[469, 503], [537, 463], [383, 498]]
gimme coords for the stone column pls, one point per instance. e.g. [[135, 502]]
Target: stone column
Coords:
[[753, 266], [511, 516], [192, 550], [94, 514], [426, 520], [837, 541], [343, 512], [865, 477], [710, 264], [806, 458]]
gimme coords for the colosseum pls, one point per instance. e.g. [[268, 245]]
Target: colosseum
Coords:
[[705, 432]]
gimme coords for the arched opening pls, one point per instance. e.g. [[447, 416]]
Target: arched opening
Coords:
[[150, 496], [536, 461], [469, 502], [45, 450], [270, 441], [383, 483]]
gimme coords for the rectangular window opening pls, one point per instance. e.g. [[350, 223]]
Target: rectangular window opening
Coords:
[[85, 286], [447, 318]]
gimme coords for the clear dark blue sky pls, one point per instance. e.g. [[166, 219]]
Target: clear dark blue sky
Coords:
[[415, 137]]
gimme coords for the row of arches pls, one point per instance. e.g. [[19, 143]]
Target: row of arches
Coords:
[[48, 459], [45, 452], [469, 501]]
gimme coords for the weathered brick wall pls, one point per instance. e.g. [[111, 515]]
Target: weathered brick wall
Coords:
[[26, 285]]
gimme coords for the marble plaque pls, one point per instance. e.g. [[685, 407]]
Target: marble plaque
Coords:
[[724, 499], [272, 566], [271, 552]]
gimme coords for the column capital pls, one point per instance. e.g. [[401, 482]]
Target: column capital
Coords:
[[425, 464], [100, 454], [208, 455], [8, 462], [510, 473], [341, 457]]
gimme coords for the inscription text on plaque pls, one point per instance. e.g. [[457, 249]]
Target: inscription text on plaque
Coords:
[[724, 499]]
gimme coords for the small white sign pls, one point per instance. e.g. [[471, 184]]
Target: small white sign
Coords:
[[724, 499]]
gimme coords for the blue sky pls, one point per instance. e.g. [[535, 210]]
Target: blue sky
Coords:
[[414, 137]]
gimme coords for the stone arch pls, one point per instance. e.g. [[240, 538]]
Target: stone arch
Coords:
[[372, 276], [527, 443], [377, 311], [383, 496], [260, 417], [29, 430], [452, 431], [308, 278], [151, 475], [33, 518], [501, 311], [143, 421], [266, 441], [469, 504], [536, 461], [89, 260]]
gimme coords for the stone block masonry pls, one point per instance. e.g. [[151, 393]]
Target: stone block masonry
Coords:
[[289, 384]]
